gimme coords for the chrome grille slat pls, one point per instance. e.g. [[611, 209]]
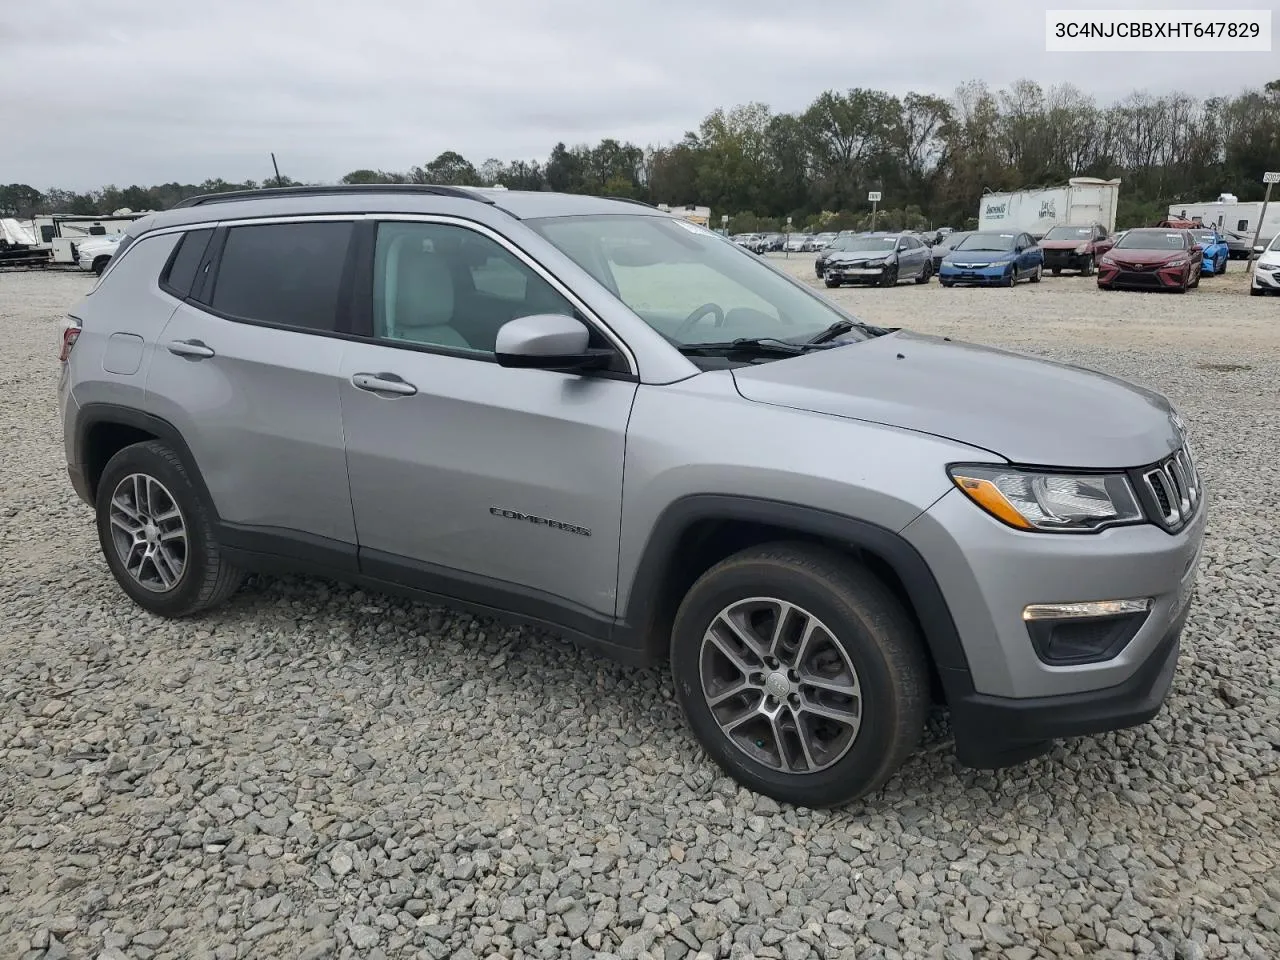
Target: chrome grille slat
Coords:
[[1174, 487]]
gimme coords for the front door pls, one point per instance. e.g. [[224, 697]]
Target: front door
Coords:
[[468, 478]]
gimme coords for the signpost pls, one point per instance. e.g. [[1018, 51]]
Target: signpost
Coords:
[[786, 244], [874, 197], [1270, 177], [724, 224]]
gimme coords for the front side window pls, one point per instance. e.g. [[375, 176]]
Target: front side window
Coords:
[[436, 284], [687, 283], [285, 274]]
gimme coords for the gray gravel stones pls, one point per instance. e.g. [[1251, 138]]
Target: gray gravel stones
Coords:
[[317, 772]]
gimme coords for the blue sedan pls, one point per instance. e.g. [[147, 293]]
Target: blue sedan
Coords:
[[992, 259], [1216, 252]]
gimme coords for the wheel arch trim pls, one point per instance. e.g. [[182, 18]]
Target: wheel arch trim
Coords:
[[912, 570], [92, 415]]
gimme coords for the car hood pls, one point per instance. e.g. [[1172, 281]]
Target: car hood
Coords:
[[1028, 410], [1149, 256], [978, 256], [1063, 244], [856, 256]]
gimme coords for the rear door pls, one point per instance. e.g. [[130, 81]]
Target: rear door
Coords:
[[247, 370]]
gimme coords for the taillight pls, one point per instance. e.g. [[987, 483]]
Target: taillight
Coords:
[[70, 334]]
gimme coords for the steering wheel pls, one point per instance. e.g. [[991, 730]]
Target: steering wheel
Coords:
[[702, 311]]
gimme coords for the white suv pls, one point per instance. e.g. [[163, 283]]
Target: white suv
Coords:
[[1266, 272]]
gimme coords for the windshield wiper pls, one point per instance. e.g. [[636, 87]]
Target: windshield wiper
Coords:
[[841, 327], [756, 345]]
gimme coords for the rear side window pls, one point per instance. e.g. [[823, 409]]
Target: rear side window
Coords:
[[283, 273], [181, 272]]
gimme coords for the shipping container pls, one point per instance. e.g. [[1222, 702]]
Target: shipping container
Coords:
[[1082, 202]]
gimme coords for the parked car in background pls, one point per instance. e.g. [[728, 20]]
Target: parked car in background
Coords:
[[822, 240], [825, 526], [946, 245], [1074, 248], [754, 242], [879, 258], [796, 242], [1266, 271], [1215, 252], [1152, 258], [992, 259], [94, 253]]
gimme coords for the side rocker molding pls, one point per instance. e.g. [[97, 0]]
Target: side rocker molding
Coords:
[[911, 569]]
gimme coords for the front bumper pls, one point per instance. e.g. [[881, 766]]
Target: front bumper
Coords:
[[981, 276], [1267, 278], [1143, 278], [1066, 260], [1004, 698], [845, 274], [994, 732]]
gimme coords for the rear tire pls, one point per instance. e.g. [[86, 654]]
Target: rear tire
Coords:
[[158, 536], [863, 653]]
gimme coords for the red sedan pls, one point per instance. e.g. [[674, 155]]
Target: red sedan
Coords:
[[1152, 258]]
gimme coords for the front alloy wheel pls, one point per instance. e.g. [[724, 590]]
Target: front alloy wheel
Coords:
[[780, 687]]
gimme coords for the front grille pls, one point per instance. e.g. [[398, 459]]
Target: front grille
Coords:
[[1172, 490], [1138, 279]]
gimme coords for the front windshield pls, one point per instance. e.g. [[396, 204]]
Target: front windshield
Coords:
[[686, 282], [994, 242], [1152, 240], [1068, 233]]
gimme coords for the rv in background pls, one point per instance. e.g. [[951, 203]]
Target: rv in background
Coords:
[[57, 233], [1082, 202], [1235, 220]]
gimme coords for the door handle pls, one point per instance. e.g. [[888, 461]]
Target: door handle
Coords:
[[383, 383], [194, 349]]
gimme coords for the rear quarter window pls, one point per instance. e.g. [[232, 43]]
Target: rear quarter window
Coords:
[[180, 272]]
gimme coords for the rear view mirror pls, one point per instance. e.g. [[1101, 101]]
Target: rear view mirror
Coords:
[[548, 341]]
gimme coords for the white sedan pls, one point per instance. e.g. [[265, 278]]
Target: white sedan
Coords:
[[1266, 272]]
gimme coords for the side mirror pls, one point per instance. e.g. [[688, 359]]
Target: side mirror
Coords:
[[1259, 249], [548, 341], [1197, 248]]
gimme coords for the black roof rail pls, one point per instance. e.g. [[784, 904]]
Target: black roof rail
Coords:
[[263, 193], [630, 200]]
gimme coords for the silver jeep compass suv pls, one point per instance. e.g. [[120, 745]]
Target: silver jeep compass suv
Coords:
[[588, 414]]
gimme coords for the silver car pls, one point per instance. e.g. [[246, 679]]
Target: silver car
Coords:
[[590, 415]]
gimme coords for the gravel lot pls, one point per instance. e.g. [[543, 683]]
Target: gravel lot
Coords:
[[318, 772]]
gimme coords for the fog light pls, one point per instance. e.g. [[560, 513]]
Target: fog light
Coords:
[[1073, 611], [1075, 633]]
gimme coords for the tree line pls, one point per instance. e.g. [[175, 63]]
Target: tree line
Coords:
[[931, 158]]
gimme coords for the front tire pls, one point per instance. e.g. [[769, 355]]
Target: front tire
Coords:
[[925, 273], [99, 265], [832, 283], [890, 278], [1088, 268], [158, 536], [1012, 279], [1035, 277], [800, 674]]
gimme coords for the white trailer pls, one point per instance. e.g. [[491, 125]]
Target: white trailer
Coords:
[[1231, 216], [58, 233], [1082, 202]]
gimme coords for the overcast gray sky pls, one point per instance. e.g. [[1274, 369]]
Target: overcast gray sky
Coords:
[[149, 91]]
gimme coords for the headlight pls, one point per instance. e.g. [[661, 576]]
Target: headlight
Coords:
[[1049, 502], [1176, 263], [1000, 263], [1083, 248]]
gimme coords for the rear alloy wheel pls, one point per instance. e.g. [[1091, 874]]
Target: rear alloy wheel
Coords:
[[800, 674], [157, 535]]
